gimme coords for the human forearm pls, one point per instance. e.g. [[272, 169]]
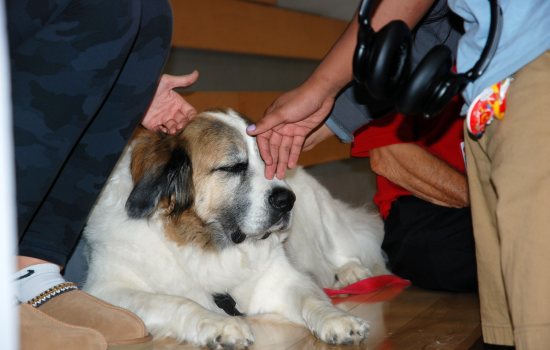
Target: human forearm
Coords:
[[421, 173], [280, 134], [335, 71]]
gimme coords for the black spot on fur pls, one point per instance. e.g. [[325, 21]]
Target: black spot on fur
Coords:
[[266, 235], [227, 304]]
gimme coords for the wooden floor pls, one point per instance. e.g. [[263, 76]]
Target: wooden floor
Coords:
[[410, 318]]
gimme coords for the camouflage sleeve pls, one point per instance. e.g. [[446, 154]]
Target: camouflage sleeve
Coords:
[[83, 74]]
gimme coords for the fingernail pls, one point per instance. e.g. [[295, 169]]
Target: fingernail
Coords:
[[251, 128]]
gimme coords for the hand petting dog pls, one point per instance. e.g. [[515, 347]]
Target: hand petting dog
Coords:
[[288, 121], [168, 111]]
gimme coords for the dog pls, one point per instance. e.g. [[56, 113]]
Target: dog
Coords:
[[188, 233]]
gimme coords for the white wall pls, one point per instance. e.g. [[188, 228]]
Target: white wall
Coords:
[[8, 315]]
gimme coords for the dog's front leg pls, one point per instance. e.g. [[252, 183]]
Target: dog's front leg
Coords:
[[329, 323], [183, 319], [294, 295]]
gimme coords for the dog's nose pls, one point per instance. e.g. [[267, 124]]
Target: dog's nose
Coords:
[[282, 199]]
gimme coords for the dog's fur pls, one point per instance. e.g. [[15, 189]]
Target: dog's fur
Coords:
[[187, 216]]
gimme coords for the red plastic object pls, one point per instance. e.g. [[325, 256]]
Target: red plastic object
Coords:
[[368, 285]]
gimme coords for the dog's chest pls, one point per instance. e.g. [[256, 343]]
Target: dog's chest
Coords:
[[221, 271]]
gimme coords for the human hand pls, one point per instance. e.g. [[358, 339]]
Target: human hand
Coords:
[[168, 111], [282, 131], [316, 137]]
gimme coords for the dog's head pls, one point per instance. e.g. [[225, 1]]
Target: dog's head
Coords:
[[207, 183]]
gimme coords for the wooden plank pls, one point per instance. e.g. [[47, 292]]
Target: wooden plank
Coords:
[[267, 2], [444, 325], [275, 334], [351, 301], [205, 100], [479, 345], [251, 28], [473, 341], [329, 150], [387, 312], [253, 105]]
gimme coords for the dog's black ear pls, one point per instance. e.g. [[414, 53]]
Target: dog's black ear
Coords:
[[172, 180]]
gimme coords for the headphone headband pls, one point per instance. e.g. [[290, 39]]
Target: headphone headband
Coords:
[[364, 12], [491, 46]]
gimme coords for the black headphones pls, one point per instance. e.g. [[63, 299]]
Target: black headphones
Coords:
[[381, 62]]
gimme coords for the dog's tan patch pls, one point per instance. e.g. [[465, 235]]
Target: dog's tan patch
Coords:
[[210, 142], [187, 229], [150, 151]]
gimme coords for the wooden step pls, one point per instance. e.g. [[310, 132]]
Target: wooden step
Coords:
[[267, 2], [253, 28]]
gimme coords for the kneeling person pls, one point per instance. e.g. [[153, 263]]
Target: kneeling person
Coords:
[[423, 197]]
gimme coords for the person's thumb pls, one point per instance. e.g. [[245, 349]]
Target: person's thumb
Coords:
[[268, 122], [173, 81]]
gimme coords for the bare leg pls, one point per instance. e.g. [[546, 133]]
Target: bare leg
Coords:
[[26, 261]]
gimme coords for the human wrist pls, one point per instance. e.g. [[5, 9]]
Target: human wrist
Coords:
[[326, 84]]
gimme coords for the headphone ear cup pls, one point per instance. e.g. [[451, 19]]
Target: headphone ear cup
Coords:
[[388, 60], [417, 91], [362, 52], [451, 86]]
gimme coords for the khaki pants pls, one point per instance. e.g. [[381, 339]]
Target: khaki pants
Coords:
[[509, 178]]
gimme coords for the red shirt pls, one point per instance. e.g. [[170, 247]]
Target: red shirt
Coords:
[[442, 136]]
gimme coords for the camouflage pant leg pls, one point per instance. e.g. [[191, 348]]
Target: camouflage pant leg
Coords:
[[81, 83]]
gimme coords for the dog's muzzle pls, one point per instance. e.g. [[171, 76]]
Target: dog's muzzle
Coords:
[[282, 199]]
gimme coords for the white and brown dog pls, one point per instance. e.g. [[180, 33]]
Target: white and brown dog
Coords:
[[188, 224]]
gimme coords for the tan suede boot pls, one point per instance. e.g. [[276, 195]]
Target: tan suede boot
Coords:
[[42, 332], [122, 329]]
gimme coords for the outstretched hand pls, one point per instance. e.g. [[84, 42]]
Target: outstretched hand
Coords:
[[168, 111], [282, 131]]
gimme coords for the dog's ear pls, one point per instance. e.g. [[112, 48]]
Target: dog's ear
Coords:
[[171, 179]]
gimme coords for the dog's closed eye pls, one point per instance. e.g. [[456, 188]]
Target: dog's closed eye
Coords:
[[238, 168]]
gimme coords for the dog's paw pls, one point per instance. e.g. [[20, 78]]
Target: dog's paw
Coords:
[[342, 328], [350, 273], [225, 333]]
